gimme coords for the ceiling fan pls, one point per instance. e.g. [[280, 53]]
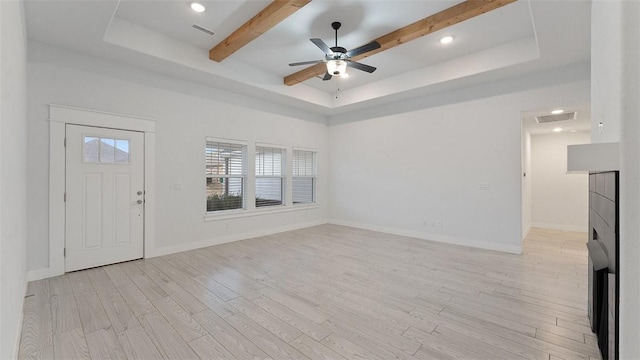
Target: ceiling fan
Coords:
[[337, 57]]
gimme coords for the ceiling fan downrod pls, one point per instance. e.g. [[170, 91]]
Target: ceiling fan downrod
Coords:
[[336, 25]]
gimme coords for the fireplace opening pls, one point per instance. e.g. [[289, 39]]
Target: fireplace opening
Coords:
[[604, 258]]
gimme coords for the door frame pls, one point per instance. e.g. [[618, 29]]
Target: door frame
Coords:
[[59, 117]]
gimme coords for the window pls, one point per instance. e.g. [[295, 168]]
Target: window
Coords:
[[226, 175], [304, 177], [105, 150], [270, 176]]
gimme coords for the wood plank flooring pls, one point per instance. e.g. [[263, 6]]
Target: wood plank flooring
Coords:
[[326, 292]]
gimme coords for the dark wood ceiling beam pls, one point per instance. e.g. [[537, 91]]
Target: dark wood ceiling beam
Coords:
[[269, 17], [445, 18]]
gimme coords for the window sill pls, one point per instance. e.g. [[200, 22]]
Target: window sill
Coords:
[[234, 214]]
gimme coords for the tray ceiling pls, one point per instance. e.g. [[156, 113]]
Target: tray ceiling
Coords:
[[521, 37]]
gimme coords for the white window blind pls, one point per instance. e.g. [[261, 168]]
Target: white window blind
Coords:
[[270, 176], [226, 175], [304, 177]]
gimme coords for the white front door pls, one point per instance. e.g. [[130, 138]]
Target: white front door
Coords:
[[104, 196]]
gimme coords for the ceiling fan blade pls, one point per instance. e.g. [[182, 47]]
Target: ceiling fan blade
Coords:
[[327, 76], [360, 66], [321, 44], [363, 49], [306, 62]]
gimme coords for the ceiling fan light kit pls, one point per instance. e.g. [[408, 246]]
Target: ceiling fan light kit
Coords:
[[337, 58], [336, 67]]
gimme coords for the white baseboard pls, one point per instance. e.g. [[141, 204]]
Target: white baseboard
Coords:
[[39, 274], [560, 227], [475, 243], [526, 231], [16, 342], [226, 239]]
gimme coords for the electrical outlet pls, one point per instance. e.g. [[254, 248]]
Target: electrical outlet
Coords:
[[177, 187], [484, 186], [439, 223], [425, 222]]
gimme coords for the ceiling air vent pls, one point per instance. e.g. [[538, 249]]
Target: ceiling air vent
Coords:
[[558, 117], [204, 30]]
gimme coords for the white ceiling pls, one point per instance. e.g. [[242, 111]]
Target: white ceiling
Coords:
[[519, 38], [582, 123]]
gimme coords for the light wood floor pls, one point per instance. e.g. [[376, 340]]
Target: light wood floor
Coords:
[[327, 292]]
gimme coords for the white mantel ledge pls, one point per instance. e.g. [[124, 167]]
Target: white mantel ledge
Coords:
[[593, 157]]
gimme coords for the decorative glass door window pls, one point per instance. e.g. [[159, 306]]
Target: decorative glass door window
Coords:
[[105, 150]]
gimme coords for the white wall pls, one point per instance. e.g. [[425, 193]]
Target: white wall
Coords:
[[13, 174], [615, 73], [630, 181], [185, 114], [559, 200], [606, 47], [394, 172], [526, 183]]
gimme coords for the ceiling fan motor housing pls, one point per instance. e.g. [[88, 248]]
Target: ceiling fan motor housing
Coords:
[[337, 53]]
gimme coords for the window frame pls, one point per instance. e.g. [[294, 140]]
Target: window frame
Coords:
[[244, 176], [249, 182]]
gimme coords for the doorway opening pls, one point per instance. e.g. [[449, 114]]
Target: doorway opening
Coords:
[[552, 198], [117, 135]]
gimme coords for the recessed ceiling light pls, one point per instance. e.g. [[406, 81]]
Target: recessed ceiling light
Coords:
[[197, 7], [558, 129], [447, 39], [558, 111], [573, 130]]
